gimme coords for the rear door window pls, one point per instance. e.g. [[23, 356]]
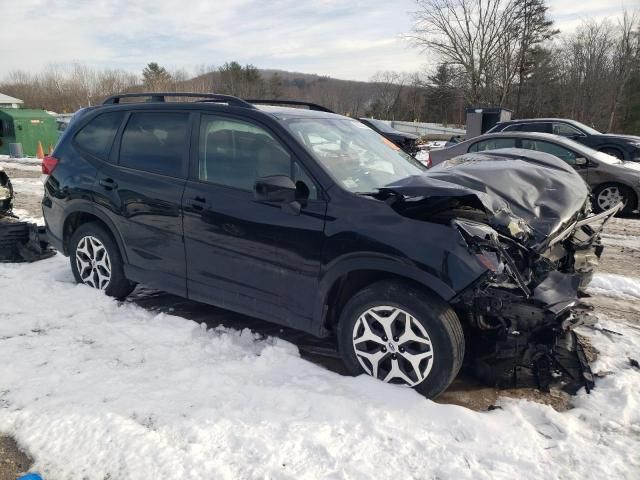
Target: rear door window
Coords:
[[492, 144], [547, 147], [97, 136], [541, 127], [156, 142]]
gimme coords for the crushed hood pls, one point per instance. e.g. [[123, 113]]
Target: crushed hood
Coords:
[[525, 193]]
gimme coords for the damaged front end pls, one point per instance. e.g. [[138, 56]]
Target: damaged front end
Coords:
[[19, 241], [526, 218], [522, 313]]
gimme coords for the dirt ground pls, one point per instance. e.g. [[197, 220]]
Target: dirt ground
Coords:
[[621, 256], [13, 461]]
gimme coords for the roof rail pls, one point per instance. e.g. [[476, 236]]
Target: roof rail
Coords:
[[160, 97], [312, 106]]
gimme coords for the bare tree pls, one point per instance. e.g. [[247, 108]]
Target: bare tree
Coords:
[[467, 33], [627, 49], [389, 89]]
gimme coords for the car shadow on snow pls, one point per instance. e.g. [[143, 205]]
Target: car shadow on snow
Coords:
[[321, 352], [465, 391]]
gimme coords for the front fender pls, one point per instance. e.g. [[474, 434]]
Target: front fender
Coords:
[[373, 261]]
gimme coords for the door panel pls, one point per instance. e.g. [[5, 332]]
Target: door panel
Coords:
[[249, 256], [146, 210], [145, 201], [564, 154]]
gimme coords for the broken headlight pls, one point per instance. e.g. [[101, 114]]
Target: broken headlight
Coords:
[[483, 241]]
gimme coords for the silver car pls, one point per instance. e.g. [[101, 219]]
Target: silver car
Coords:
[[611, 180]]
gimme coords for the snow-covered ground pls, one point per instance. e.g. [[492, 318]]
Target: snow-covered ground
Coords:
[[94, 388], [29, 186], [27, 164]]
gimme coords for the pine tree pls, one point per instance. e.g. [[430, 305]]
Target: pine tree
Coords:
[[534, 29], [155, 76]]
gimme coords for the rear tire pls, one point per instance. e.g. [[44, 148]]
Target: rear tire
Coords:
[[401, 334], [96, 261]]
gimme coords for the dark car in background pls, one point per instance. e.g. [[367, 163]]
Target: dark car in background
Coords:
[[311, 220], [611, 180], [624, 147], [406, 141]]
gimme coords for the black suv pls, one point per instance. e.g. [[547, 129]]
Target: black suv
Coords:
[[624, 147], [312, 220], [406, 141]]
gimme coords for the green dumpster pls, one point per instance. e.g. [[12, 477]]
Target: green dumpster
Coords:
[[27, 127]]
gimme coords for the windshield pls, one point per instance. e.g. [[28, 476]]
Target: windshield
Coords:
[[360, 159]]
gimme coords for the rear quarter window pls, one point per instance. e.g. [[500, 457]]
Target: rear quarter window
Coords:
[[97, 136]]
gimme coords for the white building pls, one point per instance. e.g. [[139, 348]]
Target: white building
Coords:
[[9, 102]]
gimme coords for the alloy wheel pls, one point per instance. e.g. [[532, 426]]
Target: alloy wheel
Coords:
[[393, 346], [609, 197], [92, 260]]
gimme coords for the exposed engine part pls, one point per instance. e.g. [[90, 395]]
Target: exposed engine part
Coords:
[[529, 342]]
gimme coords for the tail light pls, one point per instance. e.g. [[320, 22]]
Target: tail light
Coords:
[[49, 164], [428, 161]]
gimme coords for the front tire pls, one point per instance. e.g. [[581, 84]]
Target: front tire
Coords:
[[403, 335], [608, 195], [96, 261]]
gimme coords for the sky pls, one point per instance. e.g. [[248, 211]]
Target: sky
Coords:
[[349, 39]]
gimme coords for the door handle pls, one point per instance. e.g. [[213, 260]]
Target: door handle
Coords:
[[108, 183], [198, 203]]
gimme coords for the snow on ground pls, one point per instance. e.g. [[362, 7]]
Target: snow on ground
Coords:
[[615, 286], [21, 160], [29, 186], [26, 217], [626, 241], [94, 388], [26, 164]]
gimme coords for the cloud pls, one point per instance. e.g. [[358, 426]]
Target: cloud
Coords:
[[349, 40]]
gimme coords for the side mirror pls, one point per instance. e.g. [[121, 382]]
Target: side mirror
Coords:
[[581, 161], [275, 188], [278, 188]]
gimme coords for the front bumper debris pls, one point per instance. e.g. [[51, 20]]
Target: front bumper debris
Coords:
[[521, 342], [19, 241], [521, 362], [22, 241]]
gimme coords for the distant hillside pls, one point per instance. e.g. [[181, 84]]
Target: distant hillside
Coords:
[[392, 97]]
